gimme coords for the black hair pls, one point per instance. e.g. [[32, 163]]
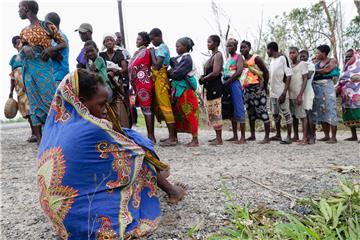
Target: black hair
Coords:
[[350, 50], [305, 51], [31, 5], [294, 48], [246, 43], [324, 49], [273, 46], [215, 39], [156, 32], [54, 18], [91, 43], [187, 42], [88, 83], [146, 38], [14, 40]]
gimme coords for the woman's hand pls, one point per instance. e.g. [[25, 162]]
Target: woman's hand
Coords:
[[48, 53], [282, 98], [299, 100]]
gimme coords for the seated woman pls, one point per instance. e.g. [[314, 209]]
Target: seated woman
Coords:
[[184, 85], [96, 182]]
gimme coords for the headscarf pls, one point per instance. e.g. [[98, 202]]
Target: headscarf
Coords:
[[108, 35], [352, 67]]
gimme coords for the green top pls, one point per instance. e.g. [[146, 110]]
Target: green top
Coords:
[[102, 70]]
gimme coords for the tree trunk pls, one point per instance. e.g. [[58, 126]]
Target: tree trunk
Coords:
[[357, 4], [332, 28]]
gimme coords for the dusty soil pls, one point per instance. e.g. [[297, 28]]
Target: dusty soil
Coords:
[[298, 170]]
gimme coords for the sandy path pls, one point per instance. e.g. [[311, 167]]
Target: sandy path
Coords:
[[299, 170]]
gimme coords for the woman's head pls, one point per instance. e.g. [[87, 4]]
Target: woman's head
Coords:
[[28, 7], [156, 36], [16, 42], [348, 55], [304, 55], [91, 50], [245, 47], [92, 92], [184, 45], [109, 41], [322, 52], [213, 42], [142, 39], [231, 45]]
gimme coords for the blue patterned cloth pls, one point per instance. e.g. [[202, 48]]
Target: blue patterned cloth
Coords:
[[94, 183], [61, 68], [38, 77], [163, 51]]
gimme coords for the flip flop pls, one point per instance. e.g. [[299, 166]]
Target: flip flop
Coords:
[[167, 144]]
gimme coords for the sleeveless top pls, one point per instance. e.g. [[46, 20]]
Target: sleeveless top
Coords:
[[214, 87], [251, 78]]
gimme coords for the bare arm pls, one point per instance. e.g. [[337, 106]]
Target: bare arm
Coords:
[[217, 67], [260, 63], [303, 86], [12, 85], [329, 67], [156, 62]]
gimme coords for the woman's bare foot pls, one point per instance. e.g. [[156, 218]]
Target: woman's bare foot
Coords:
[[192, 144], [153, 139], [241, 141], [251, 138], [350, 139], [216, 142], [212, 140], [265, 141], [311, 141], [295, 139], [303, 142], [168, 143], [179, 192], [324, 139], [275, 138], [331, 141], [32, 139], [233, 139]]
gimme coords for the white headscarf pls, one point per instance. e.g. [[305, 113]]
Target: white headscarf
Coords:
[[108, 35]]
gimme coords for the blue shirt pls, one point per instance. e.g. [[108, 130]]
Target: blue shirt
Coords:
[[81, 57], [15, 62], [61, 68], [163, 51]]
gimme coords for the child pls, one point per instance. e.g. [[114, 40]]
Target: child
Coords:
[[18, 84], [296, 94], [95, 63]]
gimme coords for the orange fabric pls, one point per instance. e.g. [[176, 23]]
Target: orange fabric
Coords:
[[37, 35], [251, 78]]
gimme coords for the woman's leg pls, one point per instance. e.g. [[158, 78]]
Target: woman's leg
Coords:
[[296, 129], [333, 130], [310, 128], [234, 129], [37, 133], [149, 121], [353, 135], [252, 129], [218, 139], [242, 131], [326, 128]]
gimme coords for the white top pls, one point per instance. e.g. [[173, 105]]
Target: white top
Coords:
[[309, 91], [278, 68], [297, 79]]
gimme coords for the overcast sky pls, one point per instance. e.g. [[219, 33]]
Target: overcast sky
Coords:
[[176, 19]]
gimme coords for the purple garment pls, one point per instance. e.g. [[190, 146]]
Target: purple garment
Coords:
[[81, 57]]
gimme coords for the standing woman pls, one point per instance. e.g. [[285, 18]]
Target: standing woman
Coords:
[[184, 85], [37, 64], [162, 104], [349, 88], [233, 68], [117, 70], [140, 78], [325, 98], [255, 85], [213, 87]]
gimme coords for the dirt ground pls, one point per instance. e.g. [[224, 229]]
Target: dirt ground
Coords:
[[298, 170]]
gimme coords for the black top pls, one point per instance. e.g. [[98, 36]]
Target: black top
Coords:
[[214, 87], [117, 58]]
